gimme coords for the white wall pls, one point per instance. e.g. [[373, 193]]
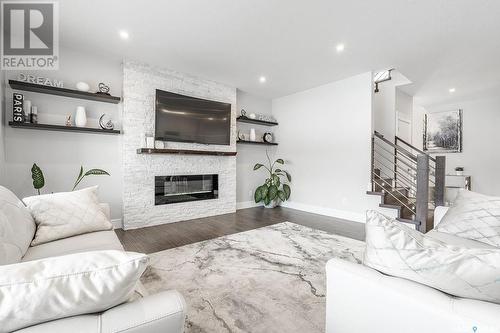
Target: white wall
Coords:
[[324, 137], [60, 154], [247, 179], [481, 136], [385, 104]]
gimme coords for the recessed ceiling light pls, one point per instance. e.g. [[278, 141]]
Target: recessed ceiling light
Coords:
[[262, 79], [451, 90], [123, 34], [340, 47]]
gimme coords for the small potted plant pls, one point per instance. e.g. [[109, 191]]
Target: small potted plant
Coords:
[[276, 188], [459, 171], [39, 179]]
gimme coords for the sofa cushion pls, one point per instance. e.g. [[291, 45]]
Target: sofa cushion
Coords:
[[94, 241], [66, 214], [17, 227], [473, 216], [398, 250], [41, 290]]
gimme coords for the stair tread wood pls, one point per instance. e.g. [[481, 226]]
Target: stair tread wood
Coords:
[[384, 205]]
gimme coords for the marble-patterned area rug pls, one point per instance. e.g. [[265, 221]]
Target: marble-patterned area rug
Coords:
[[270, 279]]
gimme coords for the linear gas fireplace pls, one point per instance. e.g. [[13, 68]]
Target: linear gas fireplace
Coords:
[[175, 189]]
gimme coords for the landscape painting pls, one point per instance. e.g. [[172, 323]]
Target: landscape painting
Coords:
[[443, 132]]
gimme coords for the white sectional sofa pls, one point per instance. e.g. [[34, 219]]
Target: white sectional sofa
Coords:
[[160, 313], [363, 300]]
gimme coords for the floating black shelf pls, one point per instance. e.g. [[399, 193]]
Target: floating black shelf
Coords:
[[38, 88], [243, 119], [257, 143], [61, 128], [184, 152]]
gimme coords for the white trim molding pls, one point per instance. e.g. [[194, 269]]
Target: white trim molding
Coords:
[[341, 214], [247, 204], [117, 223]]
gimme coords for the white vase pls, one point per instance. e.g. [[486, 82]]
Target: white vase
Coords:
[[252, 134], [80, 117]]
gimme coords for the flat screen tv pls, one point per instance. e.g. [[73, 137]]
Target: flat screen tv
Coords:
[[188, 119]]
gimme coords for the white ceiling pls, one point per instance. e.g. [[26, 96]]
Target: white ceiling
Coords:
[[437, 44]]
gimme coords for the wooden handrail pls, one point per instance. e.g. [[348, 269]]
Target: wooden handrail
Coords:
[[401, 149], [397, 138]]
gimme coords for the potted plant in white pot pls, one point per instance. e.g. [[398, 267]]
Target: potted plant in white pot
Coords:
[[276, 188]]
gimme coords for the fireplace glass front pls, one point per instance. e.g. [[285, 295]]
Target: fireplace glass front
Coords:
[[175, 189]]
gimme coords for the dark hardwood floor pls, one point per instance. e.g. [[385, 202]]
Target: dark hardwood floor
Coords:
[[166, 236]]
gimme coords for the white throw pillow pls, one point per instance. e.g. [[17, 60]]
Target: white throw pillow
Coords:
[[37, 291], [66, 214], [450, 239], [473, 216], [17, 228], [395, 249]]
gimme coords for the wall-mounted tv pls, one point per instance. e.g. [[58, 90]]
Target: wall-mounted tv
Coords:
[[188, 119]]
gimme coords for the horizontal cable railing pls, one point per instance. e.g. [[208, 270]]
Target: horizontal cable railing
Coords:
[[408, 176]]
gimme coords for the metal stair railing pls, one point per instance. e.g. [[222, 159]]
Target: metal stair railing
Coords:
[[412, 170], [437, 171]]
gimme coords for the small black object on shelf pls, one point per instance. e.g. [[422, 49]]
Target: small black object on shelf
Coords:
[[38, 88], [103, 89], [257, 143], [243, 119], [17, 108], [268, 137], [61, 128]]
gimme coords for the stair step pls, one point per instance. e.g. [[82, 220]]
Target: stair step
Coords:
[[390, 206], [375, 193], [398, 200]]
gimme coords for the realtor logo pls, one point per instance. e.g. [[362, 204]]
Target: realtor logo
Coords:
[[30, 35]]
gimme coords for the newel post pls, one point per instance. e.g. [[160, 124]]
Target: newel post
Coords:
[[372, 166], [422, 205], [439, 178]]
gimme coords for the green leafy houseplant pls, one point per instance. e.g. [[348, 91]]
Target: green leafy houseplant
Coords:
[[39, 179], [91, 172], [37, 176], [274, 188]]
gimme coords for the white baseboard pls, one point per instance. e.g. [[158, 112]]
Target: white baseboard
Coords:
[[247, 204], [340, 214], [117, 223]]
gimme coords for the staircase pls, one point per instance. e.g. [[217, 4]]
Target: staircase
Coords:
[[407, 180], [380, 77]]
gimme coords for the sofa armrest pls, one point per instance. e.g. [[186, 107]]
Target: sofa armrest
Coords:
[[439, 212], [163, 312], [363, 300]]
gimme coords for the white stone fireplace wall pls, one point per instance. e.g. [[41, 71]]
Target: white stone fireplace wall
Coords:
[[139, 84]]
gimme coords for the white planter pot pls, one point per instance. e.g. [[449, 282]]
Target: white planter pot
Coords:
[[80, 117], [273, 204]]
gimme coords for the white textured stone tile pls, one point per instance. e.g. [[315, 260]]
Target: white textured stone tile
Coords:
[[139, 86]]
